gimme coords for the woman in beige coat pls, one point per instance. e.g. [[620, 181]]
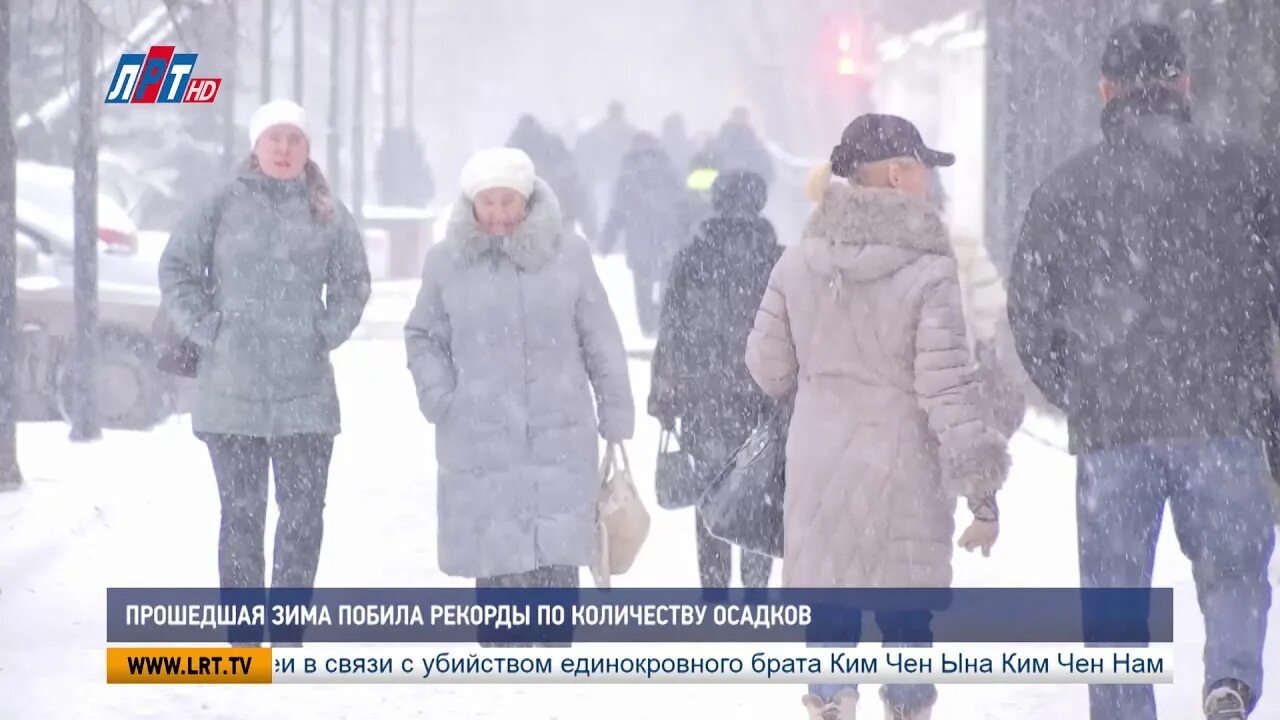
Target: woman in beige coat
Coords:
[[863, 320]]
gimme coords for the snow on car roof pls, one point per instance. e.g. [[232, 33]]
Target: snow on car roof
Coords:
[[46, 194]]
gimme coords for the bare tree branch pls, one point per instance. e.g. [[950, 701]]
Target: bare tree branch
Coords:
[[175, 9]]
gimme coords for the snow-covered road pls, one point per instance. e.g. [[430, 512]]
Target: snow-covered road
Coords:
[[140, 509]]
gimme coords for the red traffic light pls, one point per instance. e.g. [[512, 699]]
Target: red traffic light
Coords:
[[853, 56]]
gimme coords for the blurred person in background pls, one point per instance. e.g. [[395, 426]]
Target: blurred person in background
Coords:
[[737, 147], [676, 141], [404, 175], [648, 217], [558, 168], [700, 379], [519, 364], [267, 278], [599, 152], [698, 181]]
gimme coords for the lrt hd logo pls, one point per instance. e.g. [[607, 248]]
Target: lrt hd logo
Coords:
[[160, 76]]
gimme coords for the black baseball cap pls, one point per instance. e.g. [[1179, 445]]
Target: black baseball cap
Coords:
[[873, 137], [1142, 52]]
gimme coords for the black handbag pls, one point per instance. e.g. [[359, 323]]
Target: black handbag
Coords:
[[175, 354], [677, 482], [743, 504]]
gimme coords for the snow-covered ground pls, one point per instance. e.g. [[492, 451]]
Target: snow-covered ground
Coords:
[[140, 509]]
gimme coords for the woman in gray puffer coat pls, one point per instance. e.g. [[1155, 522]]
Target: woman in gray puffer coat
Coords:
[[267, 278], [511, 333]]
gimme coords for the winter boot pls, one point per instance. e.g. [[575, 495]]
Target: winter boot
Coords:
[[844, 706], [1226, 700], [898, 712]]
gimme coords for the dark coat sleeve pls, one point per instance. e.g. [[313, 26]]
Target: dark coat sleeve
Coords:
[[667, 395], [1036, 299]]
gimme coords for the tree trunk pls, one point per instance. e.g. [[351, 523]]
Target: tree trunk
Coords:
[[408, 67], [357, 116], [265, 82], [10, 475], [299, 51], [1042, 101], [333, 142], [388, 33], [227, 96], [1271, 59], [83, 401]]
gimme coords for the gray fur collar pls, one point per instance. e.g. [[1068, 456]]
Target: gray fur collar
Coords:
[[534, 243], [871, 232]]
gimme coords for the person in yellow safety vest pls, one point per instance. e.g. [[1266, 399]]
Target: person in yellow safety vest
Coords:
[[701, 179], [698, 184]]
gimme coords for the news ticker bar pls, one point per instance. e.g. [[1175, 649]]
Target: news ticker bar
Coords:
[[380, 665], [362, 616]]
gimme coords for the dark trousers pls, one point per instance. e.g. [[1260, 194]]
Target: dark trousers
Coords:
[[648, 301], [300, 464], [715, 561], [902, 628], [549, 576]]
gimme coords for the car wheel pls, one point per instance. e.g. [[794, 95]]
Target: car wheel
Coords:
[[131, 394]]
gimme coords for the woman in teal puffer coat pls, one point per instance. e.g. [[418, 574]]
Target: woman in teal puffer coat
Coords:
[[268, 277]]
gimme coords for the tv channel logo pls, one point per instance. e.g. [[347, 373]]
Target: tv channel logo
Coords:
[[160, 76]]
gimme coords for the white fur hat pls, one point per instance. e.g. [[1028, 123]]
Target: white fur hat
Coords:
[[498, 167], [276, 112]]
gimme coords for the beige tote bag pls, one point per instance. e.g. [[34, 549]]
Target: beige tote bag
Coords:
[[622, 522]]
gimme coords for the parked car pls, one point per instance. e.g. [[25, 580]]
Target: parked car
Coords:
[[131, 393], [45, 209]]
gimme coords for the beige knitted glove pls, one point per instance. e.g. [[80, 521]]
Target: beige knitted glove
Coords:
[[985, 528]]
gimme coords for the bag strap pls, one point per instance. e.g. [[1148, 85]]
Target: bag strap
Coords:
[[665, 438], [615, 458]]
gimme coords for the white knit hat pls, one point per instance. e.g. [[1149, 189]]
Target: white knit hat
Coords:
[[498, 168], [276, 112]]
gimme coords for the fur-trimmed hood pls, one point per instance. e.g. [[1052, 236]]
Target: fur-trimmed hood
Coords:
[[534, 243], [867, 233]]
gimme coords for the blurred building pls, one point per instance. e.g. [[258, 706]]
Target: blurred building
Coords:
[[1042, 92]]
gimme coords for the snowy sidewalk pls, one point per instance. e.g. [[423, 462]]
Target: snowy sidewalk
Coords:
[[140, 509]]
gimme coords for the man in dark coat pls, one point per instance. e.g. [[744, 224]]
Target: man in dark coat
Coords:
[[1140, 297], [557, 167], [648, 215], [700, 377]]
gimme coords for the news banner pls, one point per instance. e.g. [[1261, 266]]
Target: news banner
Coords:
[[649, 635]]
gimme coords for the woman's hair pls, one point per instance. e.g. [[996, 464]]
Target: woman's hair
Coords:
[[867, 175], [816, 184], [875, 174], [318, 192]]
